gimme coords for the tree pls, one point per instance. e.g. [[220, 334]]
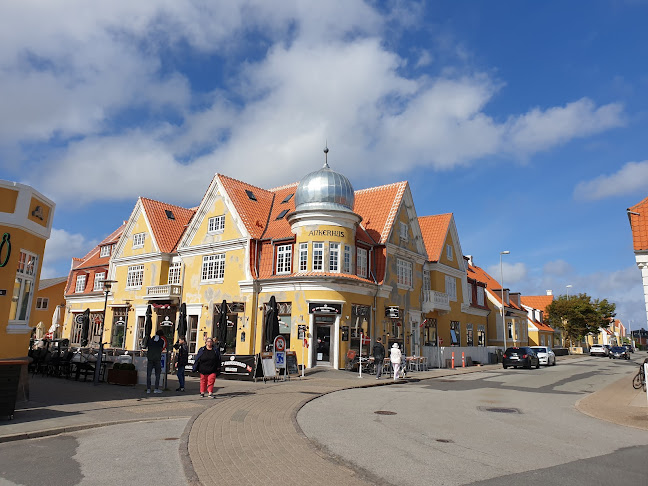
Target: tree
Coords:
[[579, 315]]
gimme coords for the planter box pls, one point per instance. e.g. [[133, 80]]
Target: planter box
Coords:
[[122, 377]]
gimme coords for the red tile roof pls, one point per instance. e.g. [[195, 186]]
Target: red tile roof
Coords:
[[639, 225], [254, 214], [434, 230], [93, 258], [539, 302], [493, 286], [167, 232], [541, 326], [378, 207]]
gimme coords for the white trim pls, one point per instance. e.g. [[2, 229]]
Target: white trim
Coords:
[[394, 250], [18, 219], [216, 247], [317, 284]]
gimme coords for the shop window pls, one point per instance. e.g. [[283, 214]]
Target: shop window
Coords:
[[232, 327], [120, 316], [139, 338], [318, 257], [430, 332], [361, 262], [404, 272], [455, 333], [451, 287], [481, 336], [303, 257], [138, 240], [99, 281], [166, 322], [469, 335], [80, 284], [284, 260], [213, 267], [192, 337], [175, 273], [360, 324], [94, 334], [334, 257], [216, 224], [75, 338], [135, 276]]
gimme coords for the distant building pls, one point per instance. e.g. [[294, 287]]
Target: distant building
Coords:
[[638, 217]]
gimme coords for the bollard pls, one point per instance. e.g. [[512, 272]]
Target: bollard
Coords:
[[463, 360], [453, 360]]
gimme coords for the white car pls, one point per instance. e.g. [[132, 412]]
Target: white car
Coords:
[[545, 355], [599, 350]]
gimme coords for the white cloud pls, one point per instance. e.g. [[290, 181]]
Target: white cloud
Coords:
[[632, 177], [513, 273], [63, 246], [558, 268]]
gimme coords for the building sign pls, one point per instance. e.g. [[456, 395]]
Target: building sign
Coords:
[[301, 331], [338, 233], [323, 308], [392, 312], [237, 366], [5, 249]]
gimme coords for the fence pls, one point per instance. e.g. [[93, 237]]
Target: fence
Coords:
[[478, 354]]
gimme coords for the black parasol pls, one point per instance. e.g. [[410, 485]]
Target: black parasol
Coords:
[[85, 328], [148, 324], [272, 321], [182, 321], [222, 325]]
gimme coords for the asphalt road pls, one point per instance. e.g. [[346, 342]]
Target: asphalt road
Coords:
[[143, 453], [496, 427]]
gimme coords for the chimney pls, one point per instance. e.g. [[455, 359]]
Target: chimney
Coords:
[[549, 292], [515, 298], [470, 260]]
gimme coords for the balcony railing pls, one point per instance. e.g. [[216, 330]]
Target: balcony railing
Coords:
[[164, 292], [432, 300]]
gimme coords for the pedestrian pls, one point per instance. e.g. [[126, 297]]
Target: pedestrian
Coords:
[[395, 358], [379, 357], [154, 346], [182, 359], [207, 364]]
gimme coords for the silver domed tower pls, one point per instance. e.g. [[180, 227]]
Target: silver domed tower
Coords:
[[324, 189]]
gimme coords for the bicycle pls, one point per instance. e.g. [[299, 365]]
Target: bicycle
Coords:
[[639, 381]]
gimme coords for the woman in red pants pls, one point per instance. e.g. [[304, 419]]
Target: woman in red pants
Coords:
[[207, 364]]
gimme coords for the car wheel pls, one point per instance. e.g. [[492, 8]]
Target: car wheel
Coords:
[[538, 365], [504, 366], [554, 362]]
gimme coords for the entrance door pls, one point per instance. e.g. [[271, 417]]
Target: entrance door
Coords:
[[322, 348]]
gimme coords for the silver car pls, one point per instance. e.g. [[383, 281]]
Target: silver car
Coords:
[[545, 354]]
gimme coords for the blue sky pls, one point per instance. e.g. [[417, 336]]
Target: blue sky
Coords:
[[525, 119]]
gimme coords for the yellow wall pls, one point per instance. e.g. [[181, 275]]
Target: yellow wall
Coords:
[[56, 296], [8, 198], [39, 212], [230, 232]]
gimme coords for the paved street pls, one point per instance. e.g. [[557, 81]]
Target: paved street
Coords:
[[483, 426]]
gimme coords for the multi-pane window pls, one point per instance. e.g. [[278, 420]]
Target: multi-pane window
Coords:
[[80, 283], [138, 240], [135, 276], [216, 224], [451, 287], [480, 295], [42, 303], [404, 231], [99, 281], [449, 252], [361, 262], [469, 335], [347, 259], [470, 292], [141, 329], [175, 270], [105, 251], [404, 272], [427, 284], [455, 333], [303, 257], [193, 333], [213, 267], [509, 326], [284, 260], [318, 257], [334, 257], [23, 287]]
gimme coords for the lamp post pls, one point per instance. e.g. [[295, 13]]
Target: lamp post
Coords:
[[505, 252], [107, 284], [568, 287]]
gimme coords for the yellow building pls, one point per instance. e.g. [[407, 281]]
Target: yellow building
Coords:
[[540, 333], [25, 225], [50, 307]]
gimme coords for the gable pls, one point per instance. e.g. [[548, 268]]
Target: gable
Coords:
[[435, 234], [378, 207], [167, 222]]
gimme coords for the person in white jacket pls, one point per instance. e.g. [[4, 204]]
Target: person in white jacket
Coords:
[[395, 358]]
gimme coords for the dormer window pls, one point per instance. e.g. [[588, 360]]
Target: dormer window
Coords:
[[80, 284], [169, 214], [105, 251], [287, 198], [282, 214], [251, 195]]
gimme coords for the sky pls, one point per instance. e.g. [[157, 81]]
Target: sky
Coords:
[[524, 119]]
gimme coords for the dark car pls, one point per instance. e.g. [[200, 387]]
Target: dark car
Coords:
[[618, 352], [523, 356], [629, 348]]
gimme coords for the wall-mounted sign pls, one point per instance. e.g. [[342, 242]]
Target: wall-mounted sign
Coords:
[[3, 292], [338, 233], [5, 249], [392, 312], [236, 307], [323, 308], [38, 213], [79, 318], [301, 331]]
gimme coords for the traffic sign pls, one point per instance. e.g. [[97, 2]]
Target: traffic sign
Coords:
[[280, 343], [440, 340], [280, 359]]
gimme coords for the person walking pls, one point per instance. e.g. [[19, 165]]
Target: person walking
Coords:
[[182, 359], [154, 346], [207, 364], [379, 357], [395, 357]]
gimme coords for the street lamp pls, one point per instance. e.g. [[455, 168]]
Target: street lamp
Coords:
[[568, 287], [107, 284], [506, 252]]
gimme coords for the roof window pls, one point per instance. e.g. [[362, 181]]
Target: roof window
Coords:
[[250, 194], [287, 198], [282, 214], [169, 214]]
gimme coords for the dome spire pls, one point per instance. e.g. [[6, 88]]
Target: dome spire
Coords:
[[326, 150]]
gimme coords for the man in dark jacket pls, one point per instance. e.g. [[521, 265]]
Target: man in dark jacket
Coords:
[[182, 359], [379, 357], [154, 347]]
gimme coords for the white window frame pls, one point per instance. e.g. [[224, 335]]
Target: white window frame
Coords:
[[175, 273], [80, 285], [404, 231], [318, 256], [449, 253], [105, 251], [213, 268], [216, 224], [405, 272], [427, 281], [470, 292], [25, 275], [284, 259], [42, 303], [334, 257], [346, 268], [138, 240], [99, 279], [303, 257], [361, 262], [135, 277], [480, 295], [451, 287]]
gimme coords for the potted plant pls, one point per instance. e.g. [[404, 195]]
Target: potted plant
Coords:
[[123, 374]]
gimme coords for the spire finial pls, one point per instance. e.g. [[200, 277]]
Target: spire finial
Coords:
[[326, 166]]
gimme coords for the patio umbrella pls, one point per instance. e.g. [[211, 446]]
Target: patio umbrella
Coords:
[[148, 324], [222, 324], [182, 321], [85, 328], [272, 321], [56, 319], [39, 330]]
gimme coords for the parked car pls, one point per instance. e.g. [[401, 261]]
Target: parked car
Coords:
[[598, 350], [523, 356], [545, 355], [629, 348], [619, 352]]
